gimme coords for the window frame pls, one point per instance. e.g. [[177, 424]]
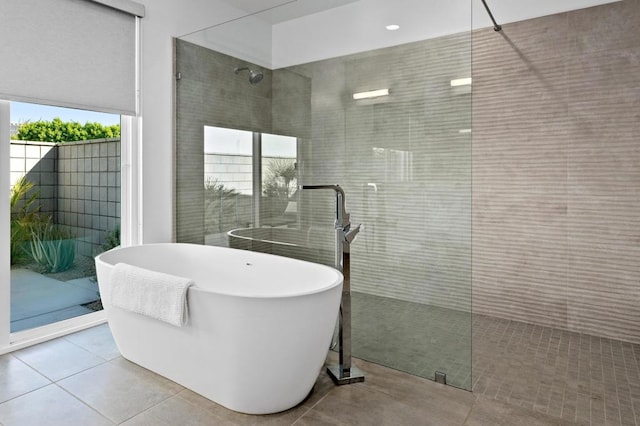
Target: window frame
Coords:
[[130, 221]]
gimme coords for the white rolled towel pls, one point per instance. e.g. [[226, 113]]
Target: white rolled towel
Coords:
[[154, 294]]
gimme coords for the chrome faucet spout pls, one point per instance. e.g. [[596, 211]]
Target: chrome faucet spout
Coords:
[[343, 373], [342, 217]]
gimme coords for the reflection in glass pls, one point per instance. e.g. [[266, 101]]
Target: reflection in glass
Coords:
[[231, 200]]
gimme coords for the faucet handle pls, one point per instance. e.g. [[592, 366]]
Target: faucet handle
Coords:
[[351, 234]]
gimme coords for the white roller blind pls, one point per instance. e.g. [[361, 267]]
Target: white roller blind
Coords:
[[73, 53]]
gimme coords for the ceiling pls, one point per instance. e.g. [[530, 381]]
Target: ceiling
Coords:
[[508, 10], [280, 33], [294, 8]]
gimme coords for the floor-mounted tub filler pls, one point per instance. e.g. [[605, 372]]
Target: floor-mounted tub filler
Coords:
[[258, 330]]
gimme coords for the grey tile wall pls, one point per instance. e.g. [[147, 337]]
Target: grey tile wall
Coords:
[[89, 191], [79, 184], [38, 162], [415, 242], [556, 166], [209, 93], [416, 229], [555, 163]]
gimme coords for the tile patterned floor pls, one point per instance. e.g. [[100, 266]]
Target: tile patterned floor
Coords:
[[575, 377], [81, 379], [413, 337]]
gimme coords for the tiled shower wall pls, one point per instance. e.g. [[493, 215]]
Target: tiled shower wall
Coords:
[[555, 159], [556, 171], [404, 162], [415, 242], [209, 93]]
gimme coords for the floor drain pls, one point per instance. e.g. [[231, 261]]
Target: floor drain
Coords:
[[441, 377]]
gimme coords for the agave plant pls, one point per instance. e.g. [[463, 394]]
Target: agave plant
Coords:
[[53, 247]]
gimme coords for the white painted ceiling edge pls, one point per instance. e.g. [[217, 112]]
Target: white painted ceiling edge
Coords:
[[358, 26]]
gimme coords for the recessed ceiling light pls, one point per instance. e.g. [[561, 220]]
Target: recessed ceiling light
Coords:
[[393, 27]]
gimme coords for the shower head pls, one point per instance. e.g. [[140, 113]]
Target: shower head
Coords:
[[255, 77]]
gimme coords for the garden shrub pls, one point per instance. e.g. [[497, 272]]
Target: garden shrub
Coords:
[[24, 211], [61, 131]]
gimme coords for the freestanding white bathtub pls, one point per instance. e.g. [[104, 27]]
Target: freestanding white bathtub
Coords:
[[259, 325]]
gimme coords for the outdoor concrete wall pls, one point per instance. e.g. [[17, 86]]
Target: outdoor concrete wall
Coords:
[[38, 161], [89, 191], [234, 171], [79, 184]]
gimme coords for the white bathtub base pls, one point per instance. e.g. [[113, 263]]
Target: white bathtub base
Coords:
[[255, 355]]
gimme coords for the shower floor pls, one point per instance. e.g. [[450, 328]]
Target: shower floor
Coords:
[[412, 337], [577, 377]]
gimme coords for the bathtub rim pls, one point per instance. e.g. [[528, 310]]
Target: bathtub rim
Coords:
[[338, 281], [231, 234]]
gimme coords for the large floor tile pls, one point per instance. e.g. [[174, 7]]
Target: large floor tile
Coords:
[[445, 404], [177, 411], [58, 358], [315, 418], [497, 413], [358, 405], [230, 417], [48, 406], [145, 419], [16, 378], [148, 375], [117, 392], [432, 338], [97, 340]]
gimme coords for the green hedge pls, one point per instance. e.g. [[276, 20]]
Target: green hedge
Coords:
[[61, 131]]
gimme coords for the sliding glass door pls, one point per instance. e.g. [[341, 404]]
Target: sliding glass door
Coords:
[[65, 209], [62, 178]]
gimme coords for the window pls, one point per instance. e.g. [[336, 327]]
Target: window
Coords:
[[65, 209]]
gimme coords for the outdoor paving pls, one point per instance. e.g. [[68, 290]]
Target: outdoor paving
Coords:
[[38, 300]]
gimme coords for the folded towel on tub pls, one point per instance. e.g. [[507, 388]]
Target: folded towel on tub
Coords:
[[154, 294]]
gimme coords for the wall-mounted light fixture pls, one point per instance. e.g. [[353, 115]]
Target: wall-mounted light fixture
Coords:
[[393, 27], [371, 94], [461, 82]]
